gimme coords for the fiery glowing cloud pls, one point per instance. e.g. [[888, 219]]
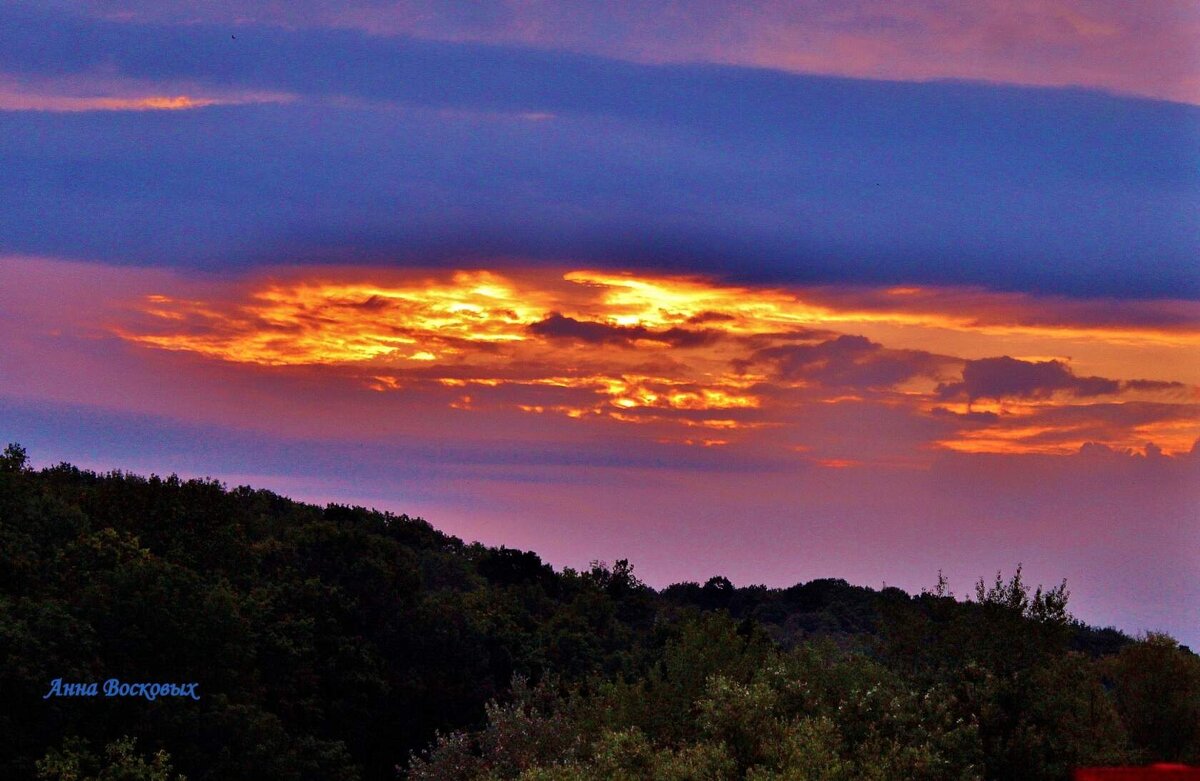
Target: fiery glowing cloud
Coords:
[[341, 322], [679, 354]]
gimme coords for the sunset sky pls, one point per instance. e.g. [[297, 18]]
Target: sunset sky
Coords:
[[771, 290]]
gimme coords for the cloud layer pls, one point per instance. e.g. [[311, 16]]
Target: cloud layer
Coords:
[[324, 145], [692, 360], [1146, 49]]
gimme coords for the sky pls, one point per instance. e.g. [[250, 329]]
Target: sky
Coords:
[[774, 291]]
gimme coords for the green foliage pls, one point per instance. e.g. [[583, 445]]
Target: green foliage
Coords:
[[1156, 687], [723, 705], [1046, 607], [14, 458], [628, 755], [328, 642], [74, 761], [1006, 658], [531, 728], [660, 702]]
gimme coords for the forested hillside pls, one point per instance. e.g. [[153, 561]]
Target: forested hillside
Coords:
[[342, 643]]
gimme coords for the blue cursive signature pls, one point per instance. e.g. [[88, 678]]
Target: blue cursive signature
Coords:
[[115, 688]]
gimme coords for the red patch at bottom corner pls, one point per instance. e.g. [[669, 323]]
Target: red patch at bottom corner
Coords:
[[1159, 772]]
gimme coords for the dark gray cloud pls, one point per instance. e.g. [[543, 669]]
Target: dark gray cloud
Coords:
[[1005, 377], [1109, 417], [559, 326], [849, 361], [1153, 385]]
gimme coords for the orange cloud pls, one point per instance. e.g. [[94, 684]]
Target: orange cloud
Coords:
[[681, 354]]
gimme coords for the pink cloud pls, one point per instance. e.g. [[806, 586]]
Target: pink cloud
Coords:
[[1137, 48], [108, 92]]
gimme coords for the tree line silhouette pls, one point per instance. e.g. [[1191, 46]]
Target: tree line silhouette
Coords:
[[344, 643]]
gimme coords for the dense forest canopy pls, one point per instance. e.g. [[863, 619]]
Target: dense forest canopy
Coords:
[[344, 643]]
